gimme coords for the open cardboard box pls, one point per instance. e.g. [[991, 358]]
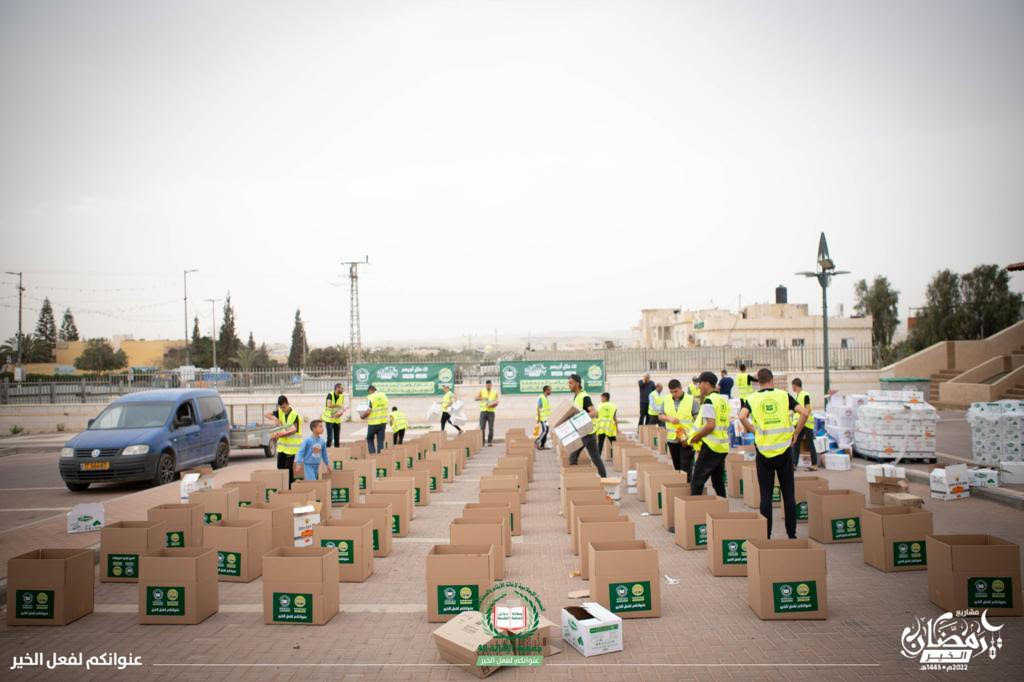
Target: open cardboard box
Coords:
[[786, 579]]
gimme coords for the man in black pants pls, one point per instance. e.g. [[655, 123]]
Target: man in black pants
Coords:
[[678, 411], [766, 413], [646, 387], [713, 437], [583, 403]]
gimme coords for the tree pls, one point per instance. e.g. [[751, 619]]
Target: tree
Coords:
[[245, 359], [297, 353], [201, 348], [68, 329], [228, 343], [263, 358], [99, 356], [939, 320], [251, 343], [46, 334], [332, 356], [881, 302], [988, 304]]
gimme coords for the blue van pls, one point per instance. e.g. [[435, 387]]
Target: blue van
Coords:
[[148, 436]]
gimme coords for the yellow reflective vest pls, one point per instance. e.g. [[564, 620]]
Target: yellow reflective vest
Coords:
[[544, 408], [744, 386], [398, 420], [488, 397], [654, 402], [335, 401], [718, 439], [684, 413], [378, 409], [289, 445], [809, 424], [694, 389], [769, 411], [578, 400], [606, 423]]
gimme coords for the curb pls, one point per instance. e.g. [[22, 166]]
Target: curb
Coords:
[[1010, 498]]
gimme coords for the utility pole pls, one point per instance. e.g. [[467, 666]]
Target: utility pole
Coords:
[[21, 289], [355, 339], [185, 278], [213, 317]]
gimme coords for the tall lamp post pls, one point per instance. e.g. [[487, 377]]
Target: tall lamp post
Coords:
[[825, 272], [213, 316], [185, 279]]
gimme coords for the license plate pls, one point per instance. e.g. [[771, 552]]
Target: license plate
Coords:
[[94, 466]]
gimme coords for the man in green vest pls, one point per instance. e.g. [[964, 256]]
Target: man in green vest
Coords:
[[446, 405], [678, 411], [744, 383], [376, 419], [766, 414], [803, 398], [654, 405], [398, 425], [334, 408], [543, 414], [713, 437], [288, 438], [583, 403], [607, 422], [488, 400]]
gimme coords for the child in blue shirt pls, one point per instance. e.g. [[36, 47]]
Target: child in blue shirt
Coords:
[[313, 451]]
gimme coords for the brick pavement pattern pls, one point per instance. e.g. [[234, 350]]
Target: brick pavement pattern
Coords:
[[707, 631]]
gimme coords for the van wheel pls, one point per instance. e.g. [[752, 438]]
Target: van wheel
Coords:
[[221, 460], [164, 469], [267, 452], [76, 487]]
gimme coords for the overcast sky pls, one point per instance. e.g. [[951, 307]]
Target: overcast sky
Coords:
[[527, 166]]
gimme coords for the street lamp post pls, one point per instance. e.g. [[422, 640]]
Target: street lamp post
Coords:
[[20, 341], [825, 272], [213, 317], [185, 279]]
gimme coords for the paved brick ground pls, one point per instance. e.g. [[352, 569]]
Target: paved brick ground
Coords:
[[707, 630]]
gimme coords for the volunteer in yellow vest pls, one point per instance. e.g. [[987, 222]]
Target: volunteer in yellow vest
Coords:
[[398, 425], [646, 387], [334, 408], [488, 399], [607, 422], [803, 398], [583, 403], [766, 414], [693, 388], [713, 437], [446, 404], [744, 383], [289, 438], [654, 405], [376, 419], [543, 414], [677, 412]]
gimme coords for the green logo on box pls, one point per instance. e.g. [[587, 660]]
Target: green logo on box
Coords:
[[382, 472], [801, 511], [457, 598], [362, 482], [339, 495], [734, 551], [396, 524], [269, 492], [416, 495], [741, 486], [176, 538], [122, 565], [909, 553], [433, 483], [346, 549], [700, 533], [337, 465], [659, 500], [212, 517], [845, 529], [229, 563], [376, 540], [408, 462], [795, 596], [631, 596], [990, 592], [244, 503], [33, 604], [165, 601], [398, 465], [292, 607], [444, 472]]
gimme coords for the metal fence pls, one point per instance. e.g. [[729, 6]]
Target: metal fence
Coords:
[[322, 379]]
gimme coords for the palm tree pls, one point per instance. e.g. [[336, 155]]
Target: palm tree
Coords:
[[246, 358]]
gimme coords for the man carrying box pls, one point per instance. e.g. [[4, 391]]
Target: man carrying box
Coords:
[[767, 414], [289, 437], [583, 403]]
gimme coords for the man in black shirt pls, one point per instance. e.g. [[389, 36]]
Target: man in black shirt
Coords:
[[583, 403], [646, 387]]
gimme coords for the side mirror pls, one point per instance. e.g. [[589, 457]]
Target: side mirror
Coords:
[[89, 424]]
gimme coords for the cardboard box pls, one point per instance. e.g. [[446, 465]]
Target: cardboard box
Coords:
[[300, 585], [641, 472], [88, 517], [344, 487], [197, 478], [653, 480], [240, 546], [591, 629], [903, 500], [365, 473], [669, 492], [421, 486], [876, 471], [123, 543], [833, 516], [352, 540], [601, 529], [583, 496], [219, 504], [523, 460], [435, 474], [576, 481], [50, 586], [624, 578], [446, 459], [178, 586], [801, 485], [983, 477], [691, 526], [478, 532], [277, 522], [542, 641], [786, 580], [492, 512], [974, 572], [894, 538], [381, 516], [605, 510], [460, 638], [734, 483], [752, 490], [518, 474], [401, 510], [511, 498], [400, 483], [293, 498], [1011, 472], [249, 492], [728, 533], [184, 523], [273, 480], [456, 456], [457, 576], [949, 480], [883, 485], [321, 490], [304, 519], [383, 464]]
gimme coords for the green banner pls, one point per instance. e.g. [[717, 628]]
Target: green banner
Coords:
[[424, 378], [531, 377]]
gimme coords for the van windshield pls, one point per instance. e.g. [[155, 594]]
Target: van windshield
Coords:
[[133, 416]]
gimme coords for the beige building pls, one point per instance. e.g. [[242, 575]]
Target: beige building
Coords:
[[762, 325], [140, 352]]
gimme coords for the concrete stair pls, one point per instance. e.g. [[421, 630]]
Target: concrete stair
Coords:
[[937, 379]]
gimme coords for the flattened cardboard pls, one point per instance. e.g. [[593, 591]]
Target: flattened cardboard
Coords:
[[50, 586], [460, 638]]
